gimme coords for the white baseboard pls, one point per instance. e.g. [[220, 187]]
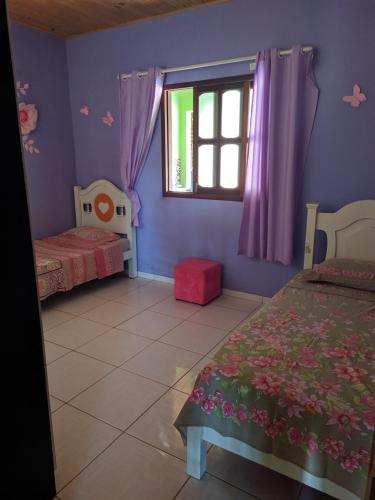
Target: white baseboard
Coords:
[[245, 295], [156, 277], [226, 291]]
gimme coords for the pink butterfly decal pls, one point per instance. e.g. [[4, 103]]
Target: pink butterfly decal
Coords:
[[108, 119], [85, 110], [357, 97]]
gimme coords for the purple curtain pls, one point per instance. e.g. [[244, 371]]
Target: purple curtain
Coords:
[[282, 115], [139, 105]]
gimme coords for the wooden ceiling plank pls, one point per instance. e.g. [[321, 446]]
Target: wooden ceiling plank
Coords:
[[68, 18]]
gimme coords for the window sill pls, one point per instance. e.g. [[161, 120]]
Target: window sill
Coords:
[[203, 196]]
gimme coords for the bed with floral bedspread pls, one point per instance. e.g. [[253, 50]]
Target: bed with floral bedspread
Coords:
[[76, 256], [298, 380]]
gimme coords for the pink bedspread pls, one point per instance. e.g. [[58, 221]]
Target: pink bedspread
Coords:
[[81, 260]]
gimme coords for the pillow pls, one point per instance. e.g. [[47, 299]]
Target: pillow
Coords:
[[350, 273], [91, 234]]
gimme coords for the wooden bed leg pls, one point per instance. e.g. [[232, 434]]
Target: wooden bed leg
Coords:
[[196, 453]]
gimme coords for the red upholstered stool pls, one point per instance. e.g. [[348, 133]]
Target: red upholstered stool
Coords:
[[197, 280]]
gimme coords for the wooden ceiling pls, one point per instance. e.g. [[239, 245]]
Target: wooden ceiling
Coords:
[[67, 18]]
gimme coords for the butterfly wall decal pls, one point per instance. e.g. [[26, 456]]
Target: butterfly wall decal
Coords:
[[85, 110], [108, 119], [357, 98]]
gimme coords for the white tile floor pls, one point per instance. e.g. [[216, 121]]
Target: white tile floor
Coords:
[[122, 356]]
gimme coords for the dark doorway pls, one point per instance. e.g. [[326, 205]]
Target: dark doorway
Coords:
[[30, 457]]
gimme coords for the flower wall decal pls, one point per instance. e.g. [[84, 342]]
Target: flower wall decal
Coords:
[[28, 144], [108, 119], [357, 98], [21, 88], [28, 117], [84, 110]]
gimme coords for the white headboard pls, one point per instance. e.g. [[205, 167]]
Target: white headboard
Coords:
[[350, 231], [104, 205]]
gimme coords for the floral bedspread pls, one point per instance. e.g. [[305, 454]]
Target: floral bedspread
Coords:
[[46, 264], [108, 254], [298, 380], [50, 275], [50, 283], [80, 262]]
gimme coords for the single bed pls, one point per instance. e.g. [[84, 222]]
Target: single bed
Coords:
[[293, 388], [97, 247]]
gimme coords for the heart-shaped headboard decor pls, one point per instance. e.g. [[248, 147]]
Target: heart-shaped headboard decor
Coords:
[[104, 207]]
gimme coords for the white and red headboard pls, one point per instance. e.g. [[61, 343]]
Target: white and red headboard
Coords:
[[104, 205], [350, 231]]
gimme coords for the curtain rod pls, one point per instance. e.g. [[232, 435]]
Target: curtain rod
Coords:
[[124, 76]]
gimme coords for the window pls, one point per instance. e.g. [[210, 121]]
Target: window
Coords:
[[205, 138]]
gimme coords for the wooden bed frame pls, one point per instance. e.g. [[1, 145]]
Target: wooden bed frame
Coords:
[[104, 205], [350, 234]]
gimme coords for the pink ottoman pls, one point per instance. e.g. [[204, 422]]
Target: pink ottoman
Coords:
[[197, 280]]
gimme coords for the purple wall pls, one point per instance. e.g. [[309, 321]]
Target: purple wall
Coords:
[[40, 60], [340, 166]]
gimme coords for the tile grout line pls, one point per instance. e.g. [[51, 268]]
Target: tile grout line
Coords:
[[104, 376], [153, 341], [87, 465], [91, 308], [56, 308], [81, 345], [74, 316], [94, 417], [114, 299], [127, 370], [115, 367], [81, 292], [139, 352], [101, 334], [182, 487], [230, 331], [62, 296], [167, 387], [122, 433], [254, 497], [91, 385], [188, 318], [206, 355], [123, 321], [65, 353], [156, 448], [62, 322], [67, 403], [178, 390], [170, 292], [189, 350]]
